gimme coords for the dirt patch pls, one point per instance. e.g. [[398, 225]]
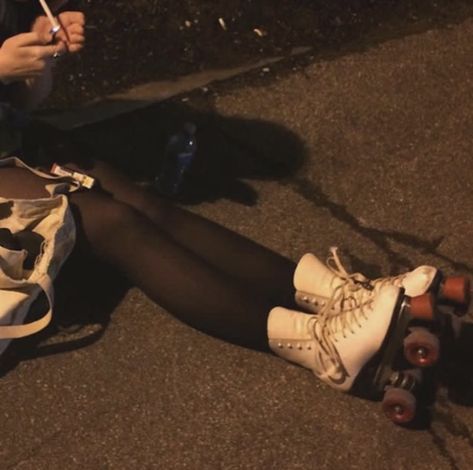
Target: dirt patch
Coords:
[[134, 41]]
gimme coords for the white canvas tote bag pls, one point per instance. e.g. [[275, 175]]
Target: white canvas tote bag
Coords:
[[51, 219]]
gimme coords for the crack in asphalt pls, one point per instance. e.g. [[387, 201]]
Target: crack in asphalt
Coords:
[[453, 425], [441, 446]]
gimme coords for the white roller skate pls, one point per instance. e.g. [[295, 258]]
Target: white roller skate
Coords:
[[369, 342], [329, 286]]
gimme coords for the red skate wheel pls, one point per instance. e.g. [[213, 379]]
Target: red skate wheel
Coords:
[[399, 405], [456, 289], [421, 348], [422, 307]]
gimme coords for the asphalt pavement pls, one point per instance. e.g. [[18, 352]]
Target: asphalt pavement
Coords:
[[367, 148]]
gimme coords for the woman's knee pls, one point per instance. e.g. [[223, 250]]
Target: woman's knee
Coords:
[[101, 218]]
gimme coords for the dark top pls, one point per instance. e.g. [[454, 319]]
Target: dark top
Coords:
[[14, 18], [9, 25], [9, 22]]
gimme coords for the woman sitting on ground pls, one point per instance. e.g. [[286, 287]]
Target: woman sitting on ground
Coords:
[[206, 275]]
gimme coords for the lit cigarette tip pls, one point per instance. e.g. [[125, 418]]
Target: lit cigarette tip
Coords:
[[222, 24]]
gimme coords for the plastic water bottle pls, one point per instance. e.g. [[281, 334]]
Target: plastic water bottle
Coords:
[[178, 156]]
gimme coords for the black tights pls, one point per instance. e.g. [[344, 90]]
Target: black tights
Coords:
[[206, 275]]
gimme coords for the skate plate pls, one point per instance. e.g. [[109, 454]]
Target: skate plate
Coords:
[[412, 345]]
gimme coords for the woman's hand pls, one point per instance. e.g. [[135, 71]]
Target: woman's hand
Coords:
[[71, 35], [27, 56], [72, 30]]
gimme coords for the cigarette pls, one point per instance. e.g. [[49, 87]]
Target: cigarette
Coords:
[[54, 23]]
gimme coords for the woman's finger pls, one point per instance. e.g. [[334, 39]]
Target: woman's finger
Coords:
[[30, 39], [69, 17], [73, 48], [76, 44], [75, 28]]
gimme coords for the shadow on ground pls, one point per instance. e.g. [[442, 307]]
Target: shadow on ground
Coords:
[[229, 150]]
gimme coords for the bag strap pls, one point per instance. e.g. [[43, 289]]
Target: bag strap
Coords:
[[27, 329]]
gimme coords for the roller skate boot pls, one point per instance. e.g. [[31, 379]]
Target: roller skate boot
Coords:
[[329, 286], [382, 346]]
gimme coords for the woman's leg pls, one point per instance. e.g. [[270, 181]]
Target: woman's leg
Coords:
[[194, 291], [258, 267], [191, 289]]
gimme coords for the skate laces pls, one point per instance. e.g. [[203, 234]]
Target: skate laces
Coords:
[[325, 329], [355, 289], [344, 320], [336, 266]]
